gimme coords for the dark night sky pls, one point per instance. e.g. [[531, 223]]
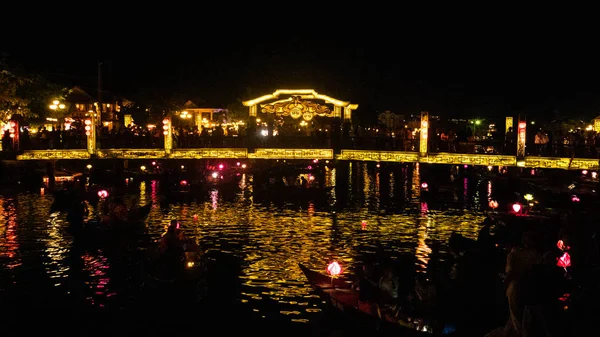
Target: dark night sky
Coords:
[[446, 72]]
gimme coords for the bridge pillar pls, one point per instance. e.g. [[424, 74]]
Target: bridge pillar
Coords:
[[336, 135], [521, 140], [168, 134], [50, 170], [251, 132], [424, 134]]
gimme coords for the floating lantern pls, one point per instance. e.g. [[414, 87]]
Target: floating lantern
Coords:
[[103, 194], [584, 172], [183, 182], [334, 269], [517, 208], [424, 185], [493, 204], [564, 261]]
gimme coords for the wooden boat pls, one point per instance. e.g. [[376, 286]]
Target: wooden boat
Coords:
[[101, 230], [339, 294], [189, 271]]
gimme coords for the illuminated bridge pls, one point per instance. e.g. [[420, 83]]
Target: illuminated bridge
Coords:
[[298, 104], [325, 154]]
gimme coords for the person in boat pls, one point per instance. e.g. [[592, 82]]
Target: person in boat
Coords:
[[118, 211], [367, 287], [171, 250], [389, 287], [520, 263], [174, 237], [424, 295], [76, 212], [303, 182]]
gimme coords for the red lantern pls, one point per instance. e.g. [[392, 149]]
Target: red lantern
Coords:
[[564, 261], [334, 268]]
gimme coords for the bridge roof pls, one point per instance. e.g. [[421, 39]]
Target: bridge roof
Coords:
[[305, 93]]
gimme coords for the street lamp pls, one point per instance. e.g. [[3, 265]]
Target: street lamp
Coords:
[[56, 105]]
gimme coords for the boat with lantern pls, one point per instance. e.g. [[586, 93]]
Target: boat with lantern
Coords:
[[339, 294]]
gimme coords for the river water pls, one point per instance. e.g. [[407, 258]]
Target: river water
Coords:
[[372, 212]]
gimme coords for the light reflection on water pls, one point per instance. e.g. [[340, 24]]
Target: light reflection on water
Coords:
[[269, 239]]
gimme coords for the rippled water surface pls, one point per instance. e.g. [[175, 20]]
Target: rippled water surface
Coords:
[[370, 212]]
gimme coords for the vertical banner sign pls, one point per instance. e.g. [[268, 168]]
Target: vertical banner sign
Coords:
[[167, 132], [596, 126], [90, 132], [424, 133], [14, 133], [521, 140], [509, 124], [127, 120]]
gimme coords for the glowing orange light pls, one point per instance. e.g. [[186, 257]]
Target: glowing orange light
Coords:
[[493, 204], [561, 245], [88, 122], [363, 225], [334, 268], [166, 121]]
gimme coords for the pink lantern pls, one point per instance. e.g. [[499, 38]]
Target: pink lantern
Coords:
[[334, 268], [102, 194], [424, 185], [564, 261], [517, 208]]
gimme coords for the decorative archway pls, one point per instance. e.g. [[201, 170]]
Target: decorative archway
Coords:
[[298, 104]]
